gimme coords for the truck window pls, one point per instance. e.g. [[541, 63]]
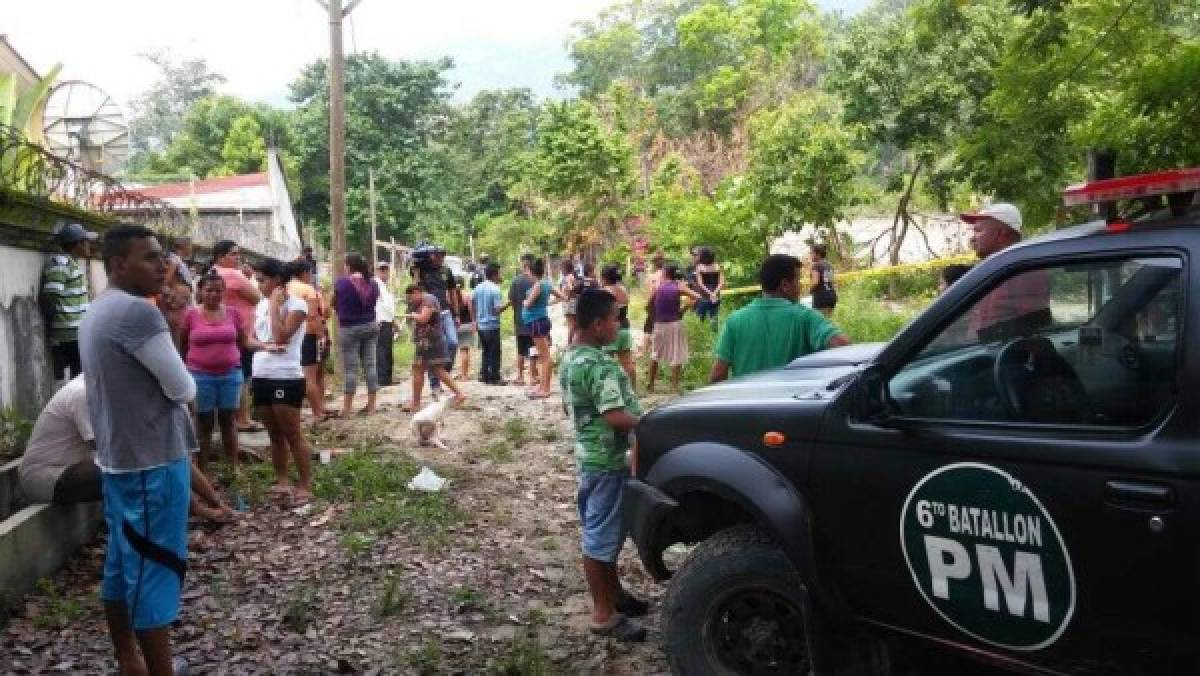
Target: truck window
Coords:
[[1089, 344]]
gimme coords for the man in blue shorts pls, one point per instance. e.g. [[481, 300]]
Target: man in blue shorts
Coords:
[[603, 410], [137, 390]]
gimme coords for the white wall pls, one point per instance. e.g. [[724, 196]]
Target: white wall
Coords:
[[25, 375]]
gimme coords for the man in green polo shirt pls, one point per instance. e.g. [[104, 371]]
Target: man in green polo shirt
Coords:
[[774, 329]]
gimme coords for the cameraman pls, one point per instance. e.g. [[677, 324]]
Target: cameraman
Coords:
[[436, 279]]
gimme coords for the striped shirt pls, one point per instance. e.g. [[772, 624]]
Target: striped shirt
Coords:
[[64, 284]]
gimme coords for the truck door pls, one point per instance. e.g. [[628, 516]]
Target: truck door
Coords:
[[1035, 493]]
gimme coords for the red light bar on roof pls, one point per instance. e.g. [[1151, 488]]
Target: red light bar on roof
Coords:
[[1132, 187]]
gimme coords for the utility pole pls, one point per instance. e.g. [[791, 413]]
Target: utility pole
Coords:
[[337, 132], [371, 202]]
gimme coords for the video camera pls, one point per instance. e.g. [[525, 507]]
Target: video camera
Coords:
[[422, 255]]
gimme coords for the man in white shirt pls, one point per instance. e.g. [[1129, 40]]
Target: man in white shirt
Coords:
[[385, 314]]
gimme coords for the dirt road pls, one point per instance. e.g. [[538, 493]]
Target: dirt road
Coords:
[[373, 578]]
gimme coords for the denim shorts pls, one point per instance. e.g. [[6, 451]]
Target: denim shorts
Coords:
[[146, 512], [218, 393], [599, 497]]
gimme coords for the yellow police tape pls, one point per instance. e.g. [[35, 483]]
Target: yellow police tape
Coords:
[[932, 266]]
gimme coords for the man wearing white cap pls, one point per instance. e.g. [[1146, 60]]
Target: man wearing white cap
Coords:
[[994, 228], [1024, 297]]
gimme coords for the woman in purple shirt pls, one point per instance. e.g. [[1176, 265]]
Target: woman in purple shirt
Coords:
[[354, 299], [669, 340]]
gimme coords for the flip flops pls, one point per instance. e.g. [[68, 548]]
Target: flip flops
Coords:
[[621, 628]]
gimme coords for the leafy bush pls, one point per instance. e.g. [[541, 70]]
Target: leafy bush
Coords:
[[14, 433], [864, 319]]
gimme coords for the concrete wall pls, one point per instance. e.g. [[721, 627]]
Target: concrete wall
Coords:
[[26, 381]]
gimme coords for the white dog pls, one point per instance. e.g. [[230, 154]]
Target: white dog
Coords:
[[425, 424]]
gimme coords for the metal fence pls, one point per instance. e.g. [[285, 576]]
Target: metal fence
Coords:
[[33, 171]]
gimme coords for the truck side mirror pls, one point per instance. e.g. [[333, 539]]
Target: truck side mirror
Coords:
[[871, 397]]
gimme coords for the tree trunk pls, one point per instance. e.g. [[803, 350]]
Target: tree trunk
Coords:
[[901, 221]]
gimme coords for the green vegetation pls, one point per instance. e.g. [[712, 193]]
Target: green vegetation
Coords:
[[426, 660], [499, 451], [394, 599], [56, 612], [517, 431], [14, 433], [301, 610]]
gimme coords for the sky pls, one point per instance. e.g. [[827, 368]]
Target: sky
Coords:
[[261, 45]]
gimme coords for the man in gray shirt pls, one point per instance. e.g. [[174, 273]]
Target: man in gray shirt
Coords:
[[137, 389]]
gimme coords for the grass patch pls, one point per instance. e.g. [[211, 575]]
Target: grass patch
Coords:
[[551, 434], [427, 659], [363, 475], [865, 319], [489, 426], [516, 431], [498, 451], [425, 513], [58, 612], [250, 483], [469, 598], [357, 544], [393, 599], [302, 608], [523, 657]]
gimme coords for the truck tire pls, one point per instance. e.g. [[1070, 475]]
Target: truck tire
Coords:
[[736, 606]]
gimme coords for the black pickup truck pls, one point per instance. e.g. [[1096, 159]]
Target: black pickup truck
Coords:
[[1014, 479]]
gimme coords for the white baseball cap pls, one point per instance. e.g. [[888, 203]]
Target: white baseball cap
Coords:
[[1004, 212]]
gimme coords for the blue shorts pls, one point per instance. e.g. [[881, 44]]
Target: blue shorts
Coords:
[[599, 498], [146, 512], [218, 393], [540, 328]]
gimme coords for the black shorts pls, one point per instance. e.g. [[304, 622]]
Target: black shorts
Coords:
[[247, 364], [524, 344], [824, 300], [310, 353], [272, 392]]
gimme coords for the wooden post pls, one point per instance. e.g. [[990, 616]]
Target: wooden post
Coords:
[[337, 132]]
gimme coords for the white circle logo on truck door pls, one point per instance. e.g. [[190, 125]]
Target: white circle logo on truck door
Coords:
[[987, 556]]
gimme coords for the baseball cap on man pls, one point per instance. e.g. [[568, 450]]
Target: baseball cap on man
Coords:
[[74, 233], [1004, 212]]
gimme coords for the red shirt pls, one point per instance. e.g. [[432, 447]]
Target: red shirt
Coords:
[[1020, 295]]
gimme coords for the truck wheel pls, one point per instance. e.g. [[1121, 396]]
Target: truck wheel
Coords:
[[736, 606]]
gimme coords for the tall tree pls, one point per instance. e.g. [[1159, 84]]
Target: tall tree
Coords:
[[159, 112], [588, 166], [802, 164], [395, 111]]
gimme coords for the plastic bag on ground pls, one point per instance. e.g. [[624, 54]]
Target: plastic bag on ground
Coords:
[[428, 481]]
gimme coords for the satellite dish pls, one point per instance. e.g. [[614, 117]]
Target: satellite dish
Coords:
[[83, 124]]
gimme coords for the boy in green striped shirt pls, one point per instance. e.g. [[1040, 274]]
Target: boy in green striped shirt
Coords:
[[63, 298]]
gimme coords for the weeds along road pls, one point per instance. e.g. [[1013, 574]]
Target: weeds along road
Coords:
[[482, 578]]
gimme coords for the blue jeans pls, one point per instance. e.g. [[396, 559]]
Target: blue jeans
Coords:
[[359, 344], [218, 393], [450, 331]]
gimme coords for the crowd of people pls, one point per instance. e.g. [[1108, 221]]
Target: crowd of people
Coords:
[[195, 349]]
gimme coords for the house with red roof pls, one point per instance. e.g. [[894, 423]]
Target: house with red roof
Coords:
[[254, 210]]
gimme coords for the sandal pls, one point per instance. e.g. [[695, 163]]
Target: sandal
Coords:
[[537, 395], [331, 415], [621, 628], [251, 428], [631, 606]]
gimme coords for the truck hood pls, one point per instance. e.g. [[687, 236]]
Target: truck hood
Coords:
[[807, 377], [790, 399]]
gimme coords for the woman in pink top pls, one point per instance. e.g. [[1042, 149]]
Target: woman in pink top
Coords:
[[242, 295], [212, 341]]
